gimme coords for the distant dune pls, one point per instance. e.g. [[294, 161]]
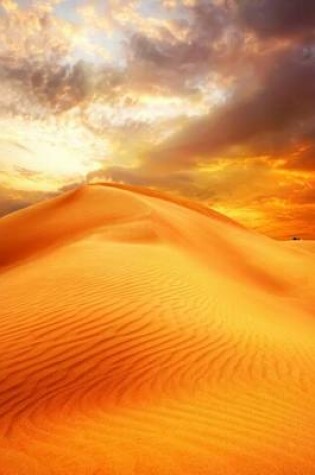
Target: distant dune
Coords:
[[142, 335]]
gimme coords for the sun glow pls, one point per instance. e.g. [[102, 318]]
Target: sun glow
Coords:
[[59, 150]]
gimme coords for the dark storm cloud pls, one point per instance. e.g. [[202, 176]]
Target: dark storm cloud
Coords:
[[278, 17], [284, 99], [272, 118]]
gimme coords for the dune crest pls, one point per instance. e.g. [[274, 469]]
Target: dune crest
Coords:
[[147, 335]]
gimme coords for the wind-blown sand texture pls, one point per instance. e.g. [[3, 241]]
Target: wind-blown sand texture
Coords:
[[148, 336]]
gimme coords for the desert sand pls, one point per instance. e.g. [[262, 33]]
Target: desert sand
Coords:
[[143, 335]]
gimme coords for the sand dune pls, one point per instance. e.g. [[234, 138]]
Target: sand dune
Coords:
[[302, 245], [145, 335]]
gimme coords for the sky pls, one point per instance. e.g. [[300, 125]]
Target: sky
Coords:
[[213, 100]]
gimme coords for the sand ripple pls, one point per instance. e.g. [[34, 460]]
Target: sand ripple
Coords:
[[144, 335]]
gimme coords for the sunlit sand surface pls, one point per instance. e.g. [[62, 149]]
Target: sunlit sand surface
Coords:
[[144, 336], [302, 245]]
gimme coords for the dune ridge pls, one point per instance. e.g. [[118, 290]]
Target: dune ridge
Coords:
[[142, 334]]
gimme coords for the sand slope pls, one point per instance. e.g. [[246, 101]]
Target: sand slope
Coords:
[[140, 335]]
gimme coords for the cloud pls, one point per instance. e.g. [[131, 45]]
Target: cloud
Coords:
[[283, 100], [302, 159], [278, 17], [12, 200], [177, 182], [208, 41]]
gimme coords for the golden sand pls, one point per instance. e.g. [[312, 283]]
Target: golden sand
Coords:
[[141, 335]]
